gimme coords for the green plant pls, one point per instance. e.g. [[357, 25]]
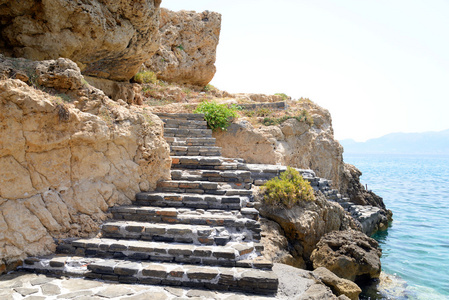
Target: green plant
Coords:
[[283, 96], [209, 87], [304, 116], [145, 77], [180, 47], [264, 112], [287, 189], [217, 116]]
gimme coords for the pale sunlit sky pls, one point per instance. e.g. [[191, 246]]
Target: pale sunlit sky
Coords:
[[378, 66]]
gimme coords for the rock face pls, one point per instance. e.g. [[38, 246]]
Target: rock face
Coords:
[[349, 254], [188, 47], [292, 143], [306, 146], [306, 223], [62, 165], [108, 39], [338, 285]]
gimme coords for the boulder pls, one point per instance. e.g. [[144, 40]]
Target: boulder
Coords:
[[188, 47], [349, 254], [306, 223], [338, 285], [107, 39], [66, 157]]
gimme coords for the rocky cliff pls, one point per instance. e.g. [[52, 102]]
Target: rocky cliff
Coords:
[[305, 143], [67, 154], [107, 39], [188, 47]]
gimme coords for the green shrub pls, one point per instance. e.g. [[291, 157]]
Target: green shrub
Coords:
[[217, 115], [145, 77], [304, 116], [209, 87], [287, 189], [283, 96]]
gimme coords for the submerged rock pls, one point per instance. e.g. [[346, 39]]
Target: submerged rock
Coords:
[[349, 254]]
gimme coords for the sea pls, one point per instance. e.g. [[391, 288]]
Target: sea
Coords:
[[415, 247]]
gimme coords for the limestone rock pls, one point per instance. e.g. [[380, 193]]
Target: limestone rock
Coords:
[[338, 285], [128, 92], [349, 254], [59, 176], [108, 39], [188, 47], [297, 144], [307, 222], [276, 245]]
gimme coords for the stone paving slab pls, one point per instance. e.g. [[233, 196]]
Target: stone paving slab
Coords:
[[293, 284], [189, 200], [247, 217]]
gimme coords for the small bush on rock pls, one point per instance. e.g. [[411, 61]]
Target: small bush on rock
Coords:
[[217, 116], [287, 189], [146, 77]]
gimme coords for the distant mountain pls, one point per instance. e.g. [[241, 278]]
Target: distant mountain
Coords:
[[402, 143]]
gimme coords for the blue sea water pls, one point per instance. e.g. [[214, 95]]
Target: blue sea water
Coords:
[[416, 245]]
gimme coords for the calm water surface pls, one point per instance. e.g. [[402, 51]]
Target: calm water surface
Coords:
[[416, 246]]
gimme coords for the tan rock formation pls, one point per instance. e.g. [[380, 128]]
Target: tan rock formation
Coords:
[[128, 92], [339, 286], [62, 165], [276, 245], [108, 39], [188, 47], [349, 254], [306, 223], [292, 143]]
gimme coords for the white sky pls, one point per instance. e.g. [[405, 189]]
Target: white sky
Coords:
[[379, 66]]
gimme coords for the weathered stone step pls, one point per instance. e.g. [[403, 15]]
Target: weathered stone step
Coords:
[[179, 233], [204, 187], [241, 176], [191, 200], [215, 278], [177, 132], [259, 281], [247, 217], [179, 141], [245, 255], [208, 163], [184, 124], [195, 151], [182, 116]]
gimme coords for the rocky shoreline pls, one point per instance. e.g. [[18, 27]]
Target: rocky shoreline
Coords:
[[75, 148]]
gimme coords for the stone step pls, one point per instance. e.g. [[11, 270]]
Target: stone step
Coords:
[[188, 200], [195, 151], [256, 281], [188, 133], [204, 187], [207, 163], [215, 278], [183, 116], [180, 233], [247, 217], [245, 255], [240, 176], [184, 124], [180, 141]]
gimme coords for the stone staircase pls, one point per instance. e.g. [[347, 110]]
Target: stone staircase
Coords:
[[197, 230]]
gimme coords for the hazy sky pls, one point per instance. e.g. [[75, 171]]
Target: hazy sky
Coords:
[[378, 66]]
